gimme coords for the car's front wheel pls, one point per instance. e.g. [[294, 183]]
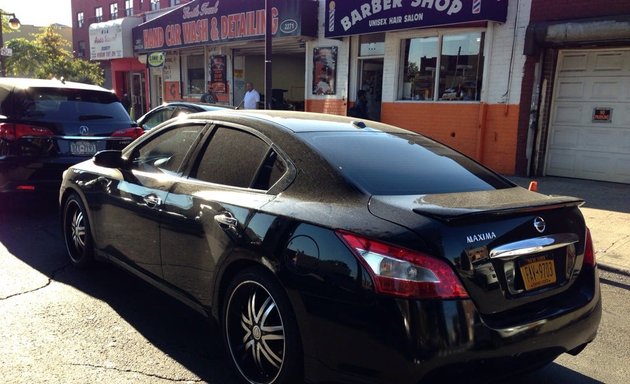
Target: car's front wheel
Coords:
[[260, 330], [76, 232]]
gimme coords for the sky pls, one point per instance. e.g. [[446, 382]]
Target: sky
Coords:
[[40, 13]]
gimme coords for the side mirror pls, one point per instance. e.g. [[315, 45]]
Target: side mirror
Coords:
[[110, 159]]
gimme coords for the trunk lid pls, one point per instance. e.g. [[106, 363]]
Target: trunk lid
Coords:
[[508, 246]]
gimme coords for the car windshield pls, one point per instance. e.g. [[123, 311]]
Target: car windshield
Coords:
[[53, 104], [402, 164]]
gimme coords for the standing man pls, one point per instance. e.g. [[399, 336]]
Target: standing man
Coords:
[[252, 97], [209, 96]]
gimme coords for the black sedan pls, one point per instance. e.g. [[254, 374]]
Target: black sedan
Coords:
[[334, 249], [172, 109]]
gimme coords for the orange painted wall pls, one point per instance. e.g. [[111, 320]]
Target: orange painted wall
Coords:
[[485, 132], [331, 106]]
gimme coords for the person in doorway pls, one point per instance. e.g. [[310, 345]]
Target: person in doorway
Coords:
[[209, 96], [360, 108], [252, 97], [126, 101]]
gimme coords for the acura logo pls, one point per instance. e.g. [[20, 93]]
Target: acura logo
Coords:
[[84, 130], [539, 224]]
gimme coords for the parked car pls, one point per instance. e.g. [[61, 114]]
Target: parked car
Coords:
[[172, 109], [48, 125], [340, 250]]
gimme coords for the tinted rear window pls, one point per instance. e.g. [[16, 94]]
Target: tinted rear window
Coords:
[[53, 104], [388, 164]]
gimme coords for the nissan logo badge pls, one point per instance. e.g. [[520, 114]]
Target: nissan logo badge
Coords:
[[539, 224], [84, 130]]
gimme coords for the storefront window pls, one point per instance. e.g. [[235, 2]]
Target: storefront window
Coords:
[[194, 74], [420, 60], [459, 67]]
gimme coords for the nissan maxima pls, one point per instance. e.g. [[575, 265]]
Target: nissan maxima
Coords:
[[331, 249]]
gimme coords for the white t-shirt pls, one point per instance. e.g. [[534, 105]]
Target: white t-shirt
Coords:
[[251, 99]]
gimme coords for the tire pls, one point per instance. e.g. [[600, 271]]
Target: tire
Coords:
[[77, 233], [260, 330]]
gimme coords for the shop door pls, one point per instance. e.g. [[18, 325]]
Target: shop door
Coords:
[[137, 95], [371, 81], [157, 90], [589, 135]]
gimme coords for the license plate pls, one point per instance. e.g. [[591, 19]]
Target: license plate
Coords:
[[82, 148], [538, 272]]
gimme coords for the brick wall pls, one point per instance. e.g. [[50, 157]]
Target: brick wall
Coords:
[[550, 10], [485, 132], [331, 106]]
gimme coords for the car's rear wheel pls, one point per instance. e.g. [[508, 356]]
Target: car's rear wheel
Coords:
[[76, 232], [260, 330]]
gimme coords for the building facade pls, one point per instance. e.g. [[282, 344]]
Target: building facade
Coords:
[[527, 87], [222, 45], [577, 84], [448, 69], [102, 32]]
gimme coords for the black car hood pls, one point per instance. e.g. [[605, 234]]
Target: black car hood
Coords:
[[451, 207]]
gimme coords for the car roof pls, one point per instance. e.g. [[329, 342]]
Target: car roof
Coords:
[[19, 82], [301, 121], [197, 105]]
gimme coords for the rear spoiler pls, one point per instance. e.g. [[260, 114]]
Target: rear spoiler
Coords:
[[451, 215]]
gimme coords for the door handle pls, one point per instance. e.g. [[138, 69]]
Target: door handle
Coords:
[[226, 219], [152, 200]]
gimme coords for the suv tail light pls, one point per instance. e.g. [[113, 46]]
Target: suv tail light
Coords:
[[589, 252], [132, 133], [10, 131], [403, 272]]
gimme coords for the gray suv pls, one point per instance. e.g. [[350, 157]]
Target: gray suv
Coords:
[[48, 125]]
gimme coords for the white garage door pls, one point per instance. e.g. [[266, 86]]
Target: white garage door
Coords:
[[589, 137]]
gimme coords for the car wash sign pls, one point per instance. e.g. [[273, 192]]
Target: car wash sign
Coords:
[[202, 22], [345, 18]]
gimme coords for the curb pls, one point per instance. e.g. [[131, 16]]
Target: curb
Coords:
[[611, 269]]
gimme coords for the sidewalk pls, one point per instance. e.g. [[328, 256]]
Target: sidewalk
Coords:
[[607, 214]]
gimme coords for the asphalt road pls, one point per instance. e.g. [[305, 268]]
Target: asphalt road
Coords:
[[61, 325]]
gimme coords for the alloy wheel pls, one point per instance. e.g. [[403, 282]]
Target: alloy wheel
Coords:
[[255, 332], [77, 230]]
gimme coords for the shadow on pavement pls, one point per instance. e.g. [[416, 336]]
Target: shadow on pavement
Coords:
[[553, 374], [30, 230], [596, 194]]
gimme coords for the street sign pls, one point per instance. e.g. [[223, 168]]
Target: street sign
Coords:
[[4, 51]]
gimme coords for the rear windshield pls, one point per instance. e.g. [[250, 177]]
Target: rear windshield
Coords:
[[53, 104], [401, 164]]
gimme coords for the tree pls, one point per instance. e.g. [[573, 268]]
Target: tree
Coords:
[[48, 56]]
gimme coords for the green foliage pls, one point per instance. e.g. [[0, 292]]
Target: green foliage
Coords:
[[48, 56]]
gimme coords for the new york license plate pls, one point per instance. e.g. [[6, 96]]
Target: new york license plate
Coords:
[[82, 148], [538, 272]]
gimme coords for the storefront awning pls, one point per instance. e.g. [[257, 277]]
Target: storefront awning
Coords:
[[344, 18], [206, 22], [112, 39]]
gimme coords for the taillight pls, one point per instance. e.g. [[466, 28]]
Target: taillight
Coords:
[[589, 252], [403, 272], [132, 133], [10, 131]]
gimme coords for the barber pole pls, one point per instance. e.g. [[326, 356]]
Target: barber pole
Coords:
[[331, 16], [476, 7]]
